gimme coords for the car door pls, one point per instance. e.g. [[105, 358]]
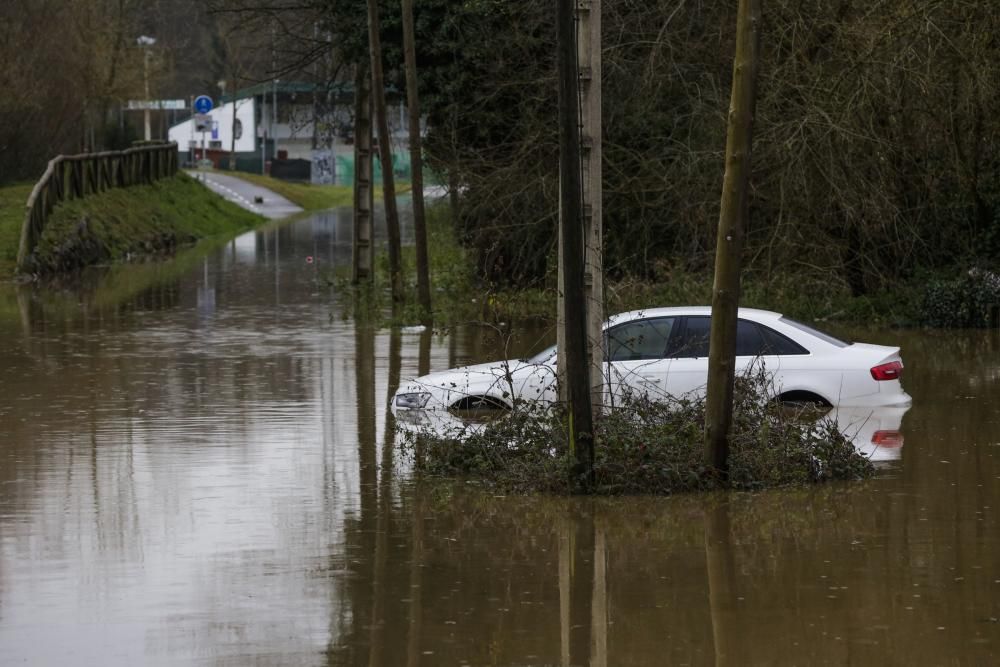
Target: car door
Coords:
[[635, 357], [687, 358], [687, 365]]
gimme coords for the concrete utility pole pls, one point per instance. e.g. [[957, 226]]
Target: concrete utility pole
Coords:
[[729, 242], [363, 254], [588, 54], [416, 163], [385, 154], [573, 326], [146, 42]]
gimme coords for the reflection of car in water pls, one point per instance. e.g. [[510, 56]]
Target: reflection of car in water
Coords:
[[875, 432], [662, 353]]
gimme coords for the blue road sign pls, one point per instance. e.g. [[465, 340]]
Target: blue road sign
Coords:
[[203, 104]]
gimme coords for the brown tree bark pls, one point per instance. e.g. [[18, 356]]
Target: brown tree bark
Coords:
[[729, 242]]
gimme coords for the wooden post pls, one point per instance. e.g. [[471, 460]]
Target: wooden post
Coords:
[[385, 153], [588, 18], [363, 251], [729, 242], [571, 234], [416, 164]]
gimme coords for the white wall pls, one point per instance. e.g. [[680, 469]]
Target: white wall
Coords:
[[183, 133]]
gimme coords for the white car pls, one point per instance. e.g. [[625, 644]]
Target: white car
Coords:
[[662, 353]]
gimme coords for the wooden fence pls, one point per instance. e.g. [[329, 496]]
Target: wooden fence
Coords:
[[76, 176]]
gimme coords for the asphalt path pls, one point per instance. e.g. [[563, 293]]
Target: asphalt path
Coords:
[[249, 196]]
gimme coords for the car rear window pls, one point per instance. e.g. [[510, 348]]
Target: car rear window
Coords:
[[776, 343], [815, 332]]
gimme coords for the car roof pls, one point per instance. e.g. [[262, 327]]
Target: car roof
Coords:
[[674, 311]]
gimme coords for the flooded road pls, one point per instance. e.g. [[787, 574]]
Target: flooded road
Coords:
[[204, 472]]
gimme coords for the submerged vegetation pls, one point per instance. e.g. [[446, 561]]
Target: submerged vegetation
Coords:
[[644, 447]]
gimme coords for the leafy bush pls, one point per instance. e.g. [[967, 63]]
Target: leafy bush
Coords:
[[971, 301], [643, 447]]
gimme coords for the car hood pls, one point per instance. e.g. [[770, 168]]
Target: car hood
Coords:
[[476, 377]]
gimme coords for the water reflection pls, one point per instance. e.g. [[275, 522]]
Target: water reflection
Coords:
[[216, 480]]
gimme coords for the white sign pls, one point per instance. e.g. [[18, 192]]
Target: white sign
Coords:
[[156, 105], [202, 122]]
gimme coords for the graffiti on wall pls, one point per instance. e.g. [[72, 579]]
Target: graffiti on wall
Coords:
[[323, 167]]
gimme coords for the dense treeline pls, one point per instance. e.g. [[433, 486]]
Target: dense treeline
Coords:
[[876, 153], [876, 150], [68, 69]]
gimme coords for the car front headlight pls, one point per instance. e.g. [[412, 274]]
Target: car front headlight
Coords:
[[413, 400]]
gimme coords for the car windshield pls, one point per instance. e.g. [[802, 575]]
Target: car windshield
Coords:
[[542, 356], [816, 332]]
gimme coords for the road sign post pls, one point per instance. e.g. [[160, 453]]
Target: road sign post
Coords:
[[203, 104]]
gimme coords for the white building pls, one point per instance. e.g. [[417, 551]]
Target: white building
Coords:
[[285, 115]]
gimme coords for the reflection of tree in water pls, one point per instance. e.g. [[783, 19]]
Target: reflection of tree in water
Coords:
[[745, 578]]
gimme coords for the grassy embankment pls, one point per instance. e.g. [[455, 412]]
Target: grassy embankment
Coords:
[[12, 202], [126, 222]]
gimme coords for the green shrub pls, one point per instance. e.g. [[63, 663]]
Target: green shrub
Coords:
[[971, 301]]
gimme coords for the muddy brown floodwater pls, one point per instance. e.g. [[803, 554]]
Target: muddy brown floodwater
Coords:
[[203, 471]]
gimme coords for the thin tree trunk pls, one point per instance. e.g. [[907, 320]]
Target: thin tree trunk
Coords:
[[385, 153], [729, 243], [416, 164], [571, 229]]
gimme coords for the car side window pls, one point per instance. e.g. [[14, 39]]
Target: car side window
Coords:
[[749, 340], [693, 341], [776, 343], [639, 339], [752, 340]]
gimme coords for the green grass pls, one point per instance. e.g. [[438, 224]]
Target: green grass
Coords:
[[148, 219], [12, 202], [308, 196]]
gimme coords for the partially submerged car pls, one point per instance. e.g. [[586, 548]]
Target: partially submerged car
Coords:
[[662, 354]]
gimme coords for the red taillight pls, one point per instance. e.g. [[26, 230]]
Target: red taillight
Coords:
[[887, 439], [890, 371]]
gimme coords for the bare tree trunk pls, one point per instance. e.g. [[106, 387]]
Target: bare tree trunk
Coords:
[[416, 164], [385, 153], [571, 223], [729, 243]]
